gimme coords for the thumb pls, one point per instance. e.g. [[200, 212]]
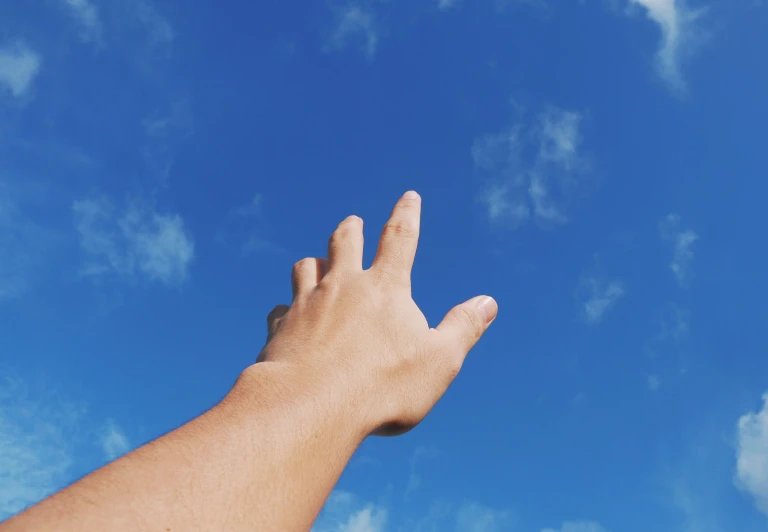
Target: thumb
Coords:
[[466, 323]]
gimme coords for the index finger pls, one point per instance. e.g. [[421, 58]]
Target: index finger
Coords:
[[400, 237]]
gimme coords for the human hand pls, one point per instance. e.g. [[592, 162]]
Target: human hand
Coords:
[[356, 336]]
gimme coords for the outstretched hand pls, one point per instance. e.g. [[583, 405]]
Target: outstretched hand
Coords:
[[358, 337], [352, 356]]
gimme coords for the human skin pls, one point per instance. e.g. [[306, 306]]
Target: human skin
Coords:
[[352, 356]]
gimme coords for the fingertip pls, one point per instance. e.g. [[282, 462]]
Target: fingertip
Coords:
[[411, 195], [488, 308]]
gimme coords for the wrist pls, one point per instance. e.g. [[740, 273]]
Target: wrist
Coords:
[[303, 397]]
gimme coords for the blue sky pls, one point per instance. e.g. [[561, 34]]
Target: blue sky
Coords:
[[597, 166]]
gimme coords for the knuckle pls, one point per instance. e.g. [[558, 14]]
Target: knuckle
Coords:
[[473, 322], [399, 229], [303, 265], [343, 232]]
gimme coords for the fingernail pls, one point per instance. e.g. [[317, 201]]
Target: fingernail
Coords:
[[411, 195], [488, 307]]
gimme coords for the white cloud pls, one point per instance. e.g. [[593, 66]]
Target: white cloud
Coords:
[[342, 514], [45, 440], [543, 206], [529, 171], [504, 206], [474, 517], [19, 66], [114, 443], [369, 519], [87, 17], [752, 455], [36, 450], [583, 526], [601, 296], [159, 31], [355, 24], [676, 24], [682, 241], [138, 241], [559, 134]]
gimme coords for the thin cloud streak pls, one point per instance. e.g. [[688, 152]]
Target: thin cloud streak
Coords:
[[580, 526], [677, 25], [752, 455], [682, 241]]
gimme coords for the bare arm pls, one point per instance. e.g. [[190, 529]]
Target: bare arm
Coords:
[[352, 356]]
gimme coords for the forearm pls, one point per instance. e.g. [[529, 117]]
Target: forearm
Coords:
[[265, 458]]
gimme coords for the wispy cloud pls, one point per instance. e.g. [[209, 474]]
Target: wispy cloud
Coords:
[[158, 29], [356, 26], [87, 17], [581, 526], [752, 455], [475, 517], [343, 513], [19, 66], [676, 23], [697, 511], [114, 442], [133, 242], [682, 241], [654, 383], [45, 440], [600, 296], [369, 519], [447, 4], [529, 169], [36, 445]]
